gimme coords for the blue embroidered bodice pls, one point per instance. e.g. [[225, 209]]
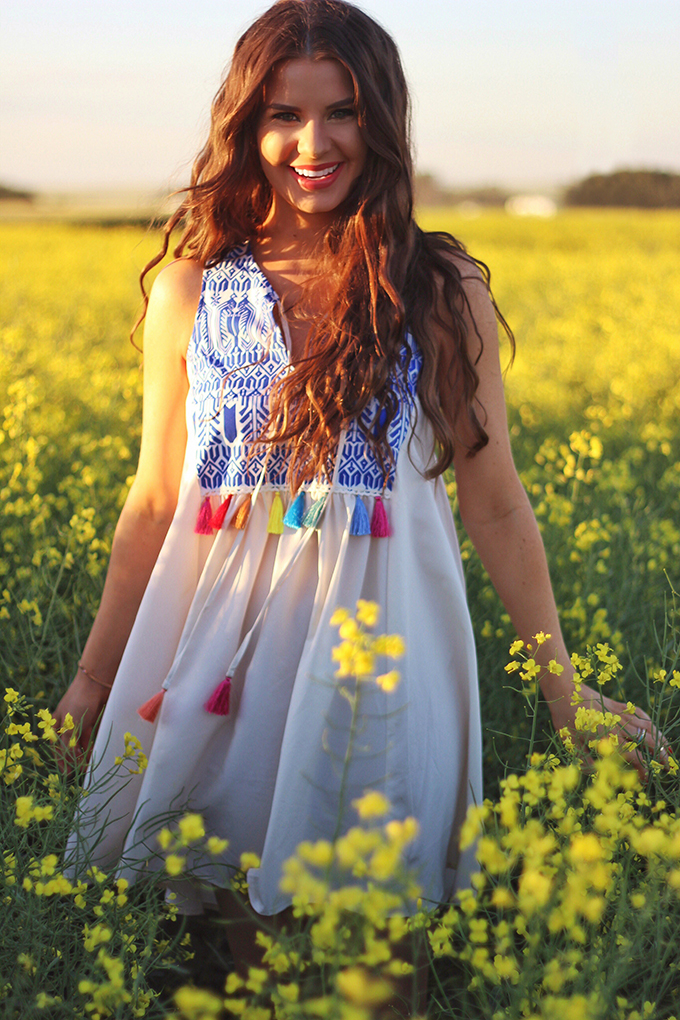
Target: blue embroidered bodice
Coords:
[[236, 352]]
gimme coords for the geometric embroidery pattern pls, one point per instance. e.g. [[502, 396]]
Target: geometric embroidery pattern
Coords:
[[235, 353]]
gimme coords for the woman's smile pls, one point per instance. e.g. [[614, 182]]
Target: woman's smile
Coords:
[[313, 178]]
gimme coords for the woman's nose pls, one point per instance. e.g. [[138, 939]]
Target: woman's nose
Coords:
[[313, 139]]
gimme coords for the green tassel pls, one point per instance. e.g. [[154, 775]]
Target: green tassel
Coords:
[[311, 518], [275, 523]]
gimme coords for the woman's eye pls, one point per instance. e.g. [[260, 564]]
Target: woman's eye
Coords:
[[343, 113], [285, 115]]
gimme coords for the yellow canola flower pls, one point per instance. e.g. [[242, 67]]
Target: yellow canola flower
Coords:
[[388, 681], [535, 888], [174, 864], [318, 854], [357, 985], [191, 828], [93, 937], [198, 1004], [27, 812], [391, 645], [349, 630], [257, 979], [249, 860], [373, 804], [165, 838], [214, 845], [367, 612], [586, 848], [339, 617], [472, 826], [289, 993]]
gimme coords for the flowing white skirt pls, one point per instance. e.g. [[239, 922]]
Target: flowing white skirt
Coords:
[[267, 776]]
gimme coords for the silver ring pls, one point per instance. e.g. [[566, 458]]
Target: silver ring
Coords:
[[640, 734]]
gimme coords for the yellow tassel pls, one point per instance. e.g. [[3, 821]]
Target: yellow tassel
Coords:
[[241, 515], [275, 523]]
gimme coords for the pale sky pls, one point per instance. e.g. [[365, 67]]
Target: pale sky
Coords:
[[520, 92]]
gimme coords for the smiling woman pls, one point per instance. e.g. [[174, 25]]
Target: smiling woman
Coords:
[[314, 362]]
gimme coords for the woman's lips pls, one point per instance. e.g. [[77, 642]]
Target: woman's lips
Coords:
[[315, 178]]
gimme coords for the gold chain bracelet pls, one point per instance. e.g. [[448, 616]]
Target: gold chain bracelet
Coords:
[[95, 679]]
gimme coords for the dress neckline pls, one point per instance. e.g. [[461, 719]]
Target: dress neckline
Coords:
[[259, 272]]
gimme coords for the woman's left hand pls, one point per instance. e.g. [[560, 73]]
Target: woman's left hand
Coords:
[[635, 727]]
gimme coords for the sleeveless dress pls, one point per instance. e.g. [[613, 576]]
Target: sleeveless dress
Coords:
[[237, 592]]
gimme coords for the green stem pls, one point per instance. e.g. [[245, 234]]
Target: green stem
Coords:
[[354, 701]]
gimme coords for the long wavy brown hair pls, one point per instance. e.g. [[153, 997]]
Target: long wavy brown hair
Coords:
[[385, 276]]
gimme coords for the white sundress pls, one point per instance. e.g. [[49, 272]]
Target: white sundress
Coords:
[[255, 605]]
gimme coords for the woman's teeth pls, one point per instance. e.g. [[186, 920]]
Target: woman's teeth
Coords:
[[316, 174]]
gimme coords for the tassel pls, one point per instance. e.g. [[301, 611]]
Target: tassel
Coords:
[[360, 523], [240, 518], [218, 702], [380, 526], [217, 519], [275, 524], [203, 525], [295, 512], [311, 518], [150, 709]]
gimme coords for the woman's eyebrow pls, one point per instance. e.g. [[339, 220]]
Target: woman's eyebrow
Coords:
[[291, 109]]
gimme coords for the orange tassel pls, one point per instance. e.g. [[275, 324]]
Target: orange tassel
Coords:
[[150, 709], [241, 516]]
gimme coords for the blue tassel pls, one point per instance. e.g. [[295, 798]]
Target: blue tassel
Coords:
[[311, 518], [295, 512], [361, 524]]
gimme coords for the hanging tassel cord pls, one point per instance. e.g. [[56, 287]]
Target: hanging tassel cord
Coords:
[[296, 512], [218, 702], [220, 694], [360, 524], [380, 525], [275, 522], [217, 520], [203, 524], [150, 709]]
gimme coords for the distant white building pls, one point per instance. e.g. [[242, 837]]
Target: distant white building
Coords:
[[531, 205]]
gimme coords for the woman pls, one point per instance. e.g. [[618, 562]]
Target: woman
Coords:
[[334, 360]]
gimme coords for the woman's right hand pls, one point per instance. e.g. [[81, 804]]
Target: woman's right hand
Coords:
[[84, 701]]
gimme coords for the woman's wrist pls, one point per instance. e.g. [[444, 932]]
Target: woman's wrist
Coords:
[[94, 678]]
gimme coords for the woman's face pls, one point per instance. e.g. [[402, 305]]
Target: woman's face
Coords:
[[310, 145]]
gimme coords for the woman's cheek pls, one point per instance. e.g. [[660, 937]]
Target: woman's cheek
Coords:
[[272, 149]]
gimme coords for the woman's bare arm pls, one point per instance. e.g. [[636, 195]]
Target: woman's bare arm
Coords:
[[152, 499], [498, 517]]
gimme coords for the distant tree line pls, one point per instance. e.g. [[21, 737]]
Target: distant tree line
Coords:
[[430, 192], [641, 189], [15, 194]]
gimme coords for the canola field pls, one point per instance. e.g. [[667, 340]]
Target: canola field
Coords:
[[580, 873]]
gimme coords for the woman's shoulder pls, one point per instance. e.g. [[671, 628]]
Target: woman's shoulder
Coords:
[[173, 302], [179, 282]]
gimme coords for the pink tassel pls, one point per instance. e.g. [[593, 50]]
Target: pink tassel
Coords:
[[203, 525], [217, 519], [218, 702], [380, 526], [150, 709]]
